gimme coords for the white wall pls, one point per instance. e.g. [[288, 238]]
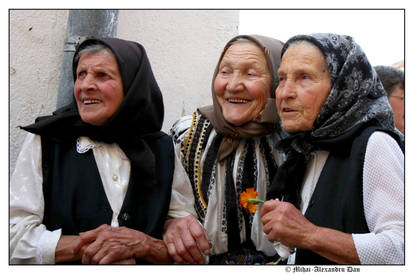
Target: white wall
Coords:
[[183, 47], [36, 49]]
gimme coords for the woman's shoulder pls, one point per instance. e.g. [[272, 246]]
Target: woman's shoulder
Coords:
[[379, 140], [180, 127], [183, 125], [31, 143]]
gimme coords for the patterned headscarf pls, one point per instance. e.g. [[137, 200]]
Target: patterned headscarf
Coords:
[[357, 99], [357, 95]]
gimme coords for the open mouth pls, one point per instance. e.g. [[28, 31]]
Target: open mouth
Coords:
[[287, 110], [90, 101], [237, 101]]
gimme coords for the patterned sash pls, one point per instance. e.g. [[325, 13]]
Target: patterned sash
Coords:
[[191, 150]]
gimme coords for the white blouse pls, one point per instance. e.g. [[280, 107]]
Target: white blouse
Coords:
[[383, 200], [30, 241]]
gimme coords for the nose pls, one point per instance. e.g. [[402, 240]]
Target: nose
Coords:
[[88, 83], [286, 90], [235, 84]]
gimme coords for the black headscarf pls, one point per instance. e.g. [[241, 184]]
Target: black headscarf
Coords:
[[357, 99], [138, 118]]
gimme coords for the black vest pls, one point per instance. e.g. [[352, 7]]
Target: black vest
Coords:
[[337, 201], [75, 200]]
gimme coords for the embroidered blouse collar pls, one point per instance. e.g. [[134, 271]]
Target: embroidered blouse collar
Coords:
[[83, 144]]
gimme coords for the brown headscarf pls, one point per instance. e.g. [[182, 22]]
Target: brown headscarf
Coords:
[[267, 121]]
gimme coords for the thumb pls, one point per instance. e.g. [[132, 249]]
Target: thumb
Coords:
[[269, 206]]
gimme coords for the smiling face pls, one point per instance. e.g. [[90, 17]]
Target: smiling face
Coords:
[[98, 87], [243, 83], [304, 85]]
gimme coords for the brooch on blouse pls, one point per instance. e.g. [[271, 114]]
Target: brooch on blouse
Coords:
[[83, 148]]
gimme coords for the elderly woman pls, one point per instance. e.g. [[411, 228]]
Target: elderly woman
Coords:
[[339, 194], [88, 183], [221, 151], [393, 82]]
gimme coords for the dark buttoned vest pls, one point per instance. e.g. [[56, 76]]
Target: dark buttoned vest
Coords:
[[75, 200], [337, 201]]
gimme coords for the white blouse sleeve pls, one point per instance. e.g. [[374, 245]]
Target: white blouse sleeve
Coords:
[[182, 198], [30, 241], [383, 199]]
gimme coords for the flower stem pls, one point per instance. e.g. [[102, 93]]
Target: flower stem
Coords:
[[253, 200], [277, 261]]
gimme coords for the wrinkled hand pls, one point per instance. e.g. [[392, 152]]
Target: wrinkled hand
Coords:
[[284, 223], [186, 240], [69, 248], [113, 245]]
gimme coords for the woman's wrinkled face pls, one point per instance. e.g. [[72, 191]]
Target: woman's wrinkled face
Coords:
[[396, 100], [98, 88], [304, 85], [243, 83]]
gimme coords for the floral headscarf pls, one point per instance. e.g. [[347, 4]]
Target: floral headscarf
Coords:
[[357, 99], [357, 95]]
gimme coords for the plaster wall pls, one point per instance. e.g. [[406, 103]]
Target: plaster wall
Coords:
[[183, 47], [36, 48]]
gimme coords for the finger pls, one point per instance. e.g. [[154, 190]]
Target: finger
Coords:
[[182, 250], [108, 247], [115, 252], [78, 245], [101, 253], [191, 246], [269, 206], [266, 228], [201, 237], [174, 254], [91, 251], [272, 235], [169, 238], [91, 235]]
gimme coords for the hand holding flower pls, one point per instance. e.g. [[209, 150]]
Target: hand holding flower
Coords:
[[284, 223]]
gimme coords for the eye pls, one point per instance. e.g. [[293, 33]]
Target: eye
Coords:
[[102, 74], [252, 73], [81, 74], [224, 71], [281, 78]]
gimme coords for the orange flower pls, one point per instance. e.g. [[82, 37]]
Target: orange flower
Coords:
[[248, 200]]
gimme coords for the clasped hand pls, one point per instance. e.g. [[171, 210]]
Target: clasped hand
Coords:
[[187, 240], [111, 245]]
